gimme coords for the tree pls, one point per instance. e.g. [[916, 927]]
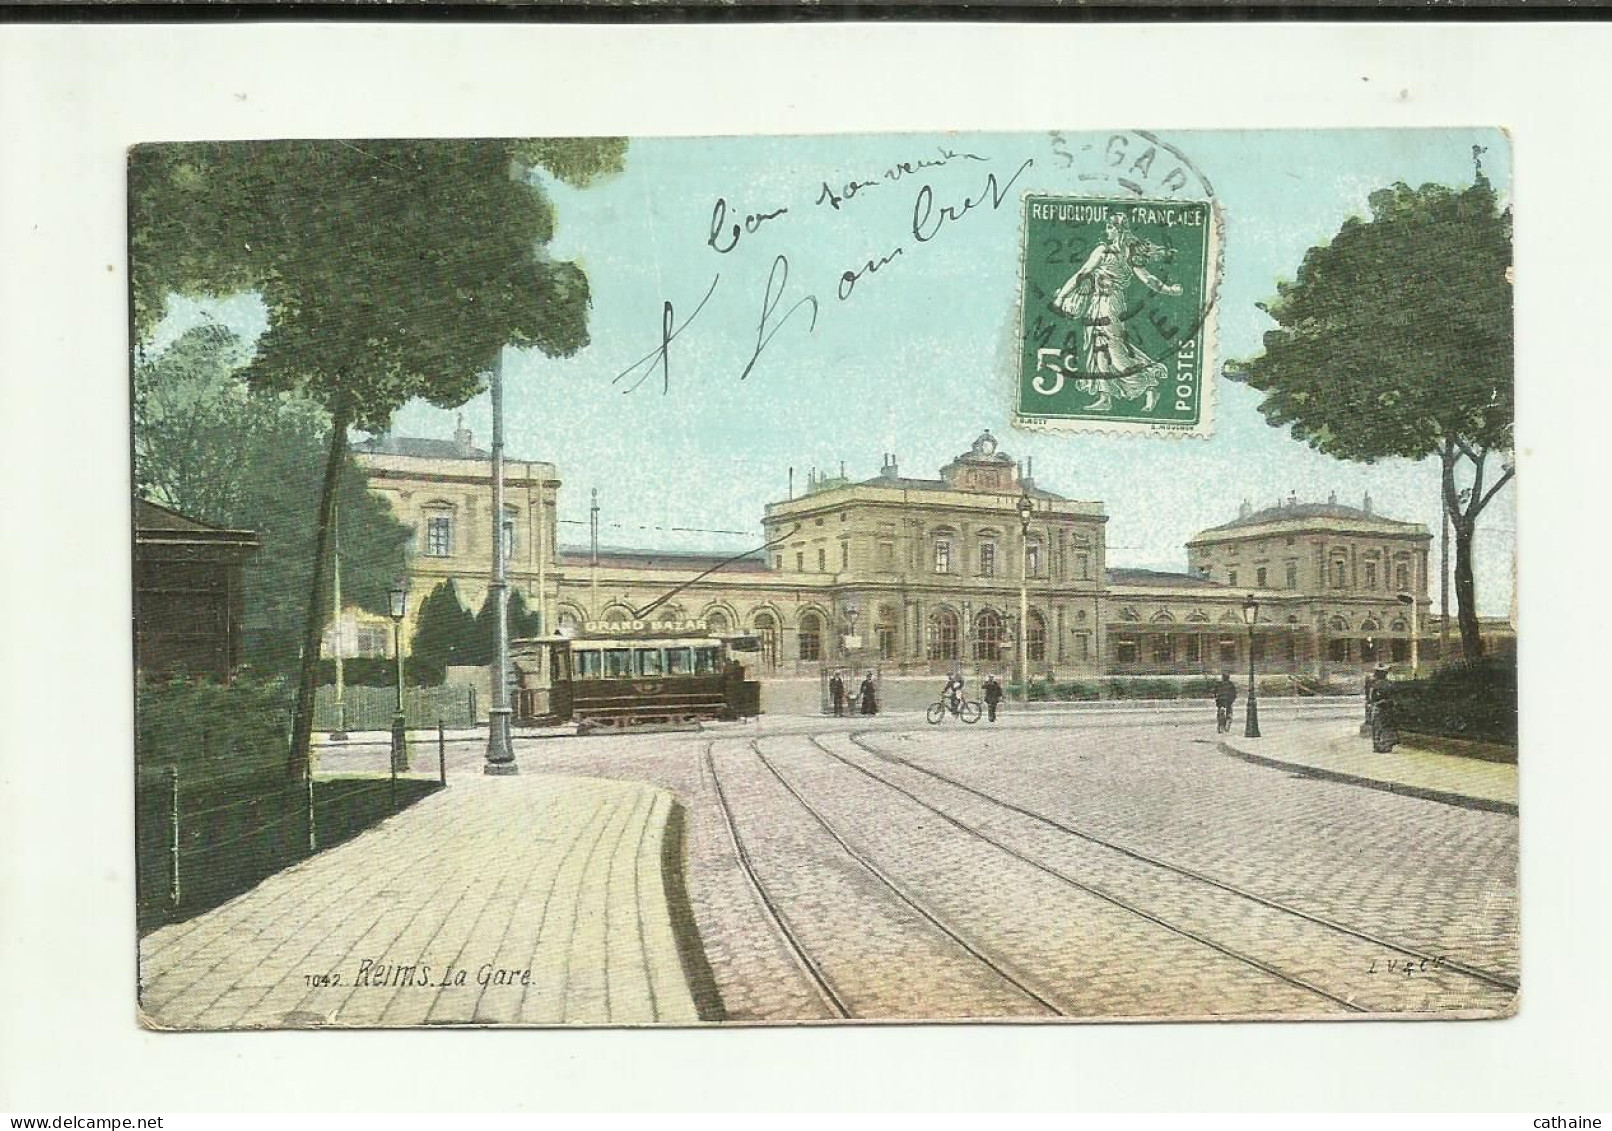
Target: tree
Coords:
[[390, 270], [1395, 340], [522, 623], [212, 448], [444, 636]]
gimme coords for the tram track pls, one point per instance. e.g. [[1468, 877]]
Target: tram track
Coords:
[[1489, 978], [834, 995]]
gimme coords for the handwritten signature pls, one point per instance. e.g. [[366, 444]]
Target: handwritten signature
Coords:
[[930, 219]]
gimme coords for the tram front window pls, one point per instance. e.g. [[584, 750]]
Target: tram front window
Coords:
[[589, 664], [618, 663], [706, 661], [646, 662], [679, 661]]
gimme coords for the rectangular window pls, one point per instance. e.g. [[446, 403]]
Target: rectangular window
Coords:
[[887, 555], [1125, 649], [1082, 567], [1402, 577], [987, 559], [1292, 575], [509, 539], [1258, 647], [778, 562], [822, 560], [1194, 649], [1371, 575], [679, 661], [439, 536], [845, 555], [800, 563], [590, 664], [1163, 648], [1032, 560], [706, 661], [943, 555], [618, 663], [1259, 578], [1228, 650], [646, 662], [1399, 650], [1338, 568], [1231, 577], [1082, 646]]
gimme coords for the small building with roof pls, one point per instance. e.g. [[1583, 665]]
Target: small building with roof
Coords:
[[188, 597]]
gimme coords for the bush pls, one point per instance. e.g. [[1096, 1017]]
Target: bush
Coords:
[[211, 730], [1472, 700]]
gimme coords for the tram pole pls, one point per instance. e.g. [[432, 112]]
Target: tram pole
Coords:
[[500, 755]]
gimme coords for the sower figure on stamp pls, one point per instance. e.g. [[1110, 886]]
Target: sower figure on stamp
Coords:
[[993, 695], [1095, 297], [836, 693]]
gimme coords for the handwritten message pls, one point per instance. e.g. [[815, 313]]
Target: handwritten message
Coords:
[[939, 196]]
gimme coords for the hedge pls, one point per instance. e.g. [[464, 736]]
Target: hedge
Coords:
[[1475, 701], [212, 730]]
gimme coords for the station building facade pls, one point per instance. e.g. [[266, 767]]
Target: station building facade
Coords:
[[923, 575]]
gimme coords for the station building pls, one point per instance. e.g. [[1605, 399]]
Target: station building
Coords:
[[923, 575]]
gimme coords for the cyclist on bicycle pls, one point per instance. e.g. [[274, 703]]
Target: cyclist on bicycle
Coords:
[[952, 695], [1225, 696]]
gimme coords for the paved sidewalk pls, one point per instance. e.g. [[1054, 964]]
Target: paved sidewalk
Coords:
[[525, 900], [1335, 750]]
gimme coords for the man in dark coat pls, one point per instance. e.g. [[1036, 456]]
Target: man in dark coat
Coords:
[[1384, 736], [1225, 696], [870, 704], [836, 693], [993, 695]]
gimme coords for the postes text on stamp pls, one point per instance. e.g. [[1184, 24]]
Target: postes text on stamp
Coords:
[[1115, 330]]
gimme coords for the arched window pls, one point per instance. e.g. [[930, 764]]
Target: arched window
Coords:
[[943, 635], [1338, 624], [811, 636], [1035, 640], [716, 622], [766, 628], [989, 640]]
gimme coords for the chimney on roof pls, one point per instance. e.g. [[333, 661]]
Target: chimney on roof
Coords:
[[1366, 506], [1292, 498], [888, 468], [461, 437], [1245, 510], [1332, 499], [842, 469]]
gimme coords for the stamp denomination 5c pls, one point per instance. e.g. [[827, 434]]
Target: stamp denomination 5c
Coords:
[[1115, 326]]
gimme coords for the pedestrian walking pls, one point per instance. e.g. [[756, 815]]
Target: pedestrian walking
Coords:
[[1384, 736], [993, 696], [1225, 697], [870, 703], [836, 693]]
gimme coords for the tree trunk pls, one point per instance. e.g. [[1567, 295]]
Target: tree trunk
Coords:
[[1465, 592], [313, 627]]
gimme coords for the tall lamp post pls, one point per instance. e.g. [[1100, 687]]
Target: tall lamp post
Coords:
[[500, 755], [1250, 618], [1415, 629], [1026, 510], [397, 605]]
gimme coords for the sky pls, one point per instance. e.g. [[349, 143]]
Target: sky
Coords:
[[921, 355]]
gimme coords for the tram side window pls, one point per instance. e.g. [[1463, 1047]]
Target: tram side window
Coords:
[[679, 661], [618, 663], [646, 661], [707, 661], [590, 664]]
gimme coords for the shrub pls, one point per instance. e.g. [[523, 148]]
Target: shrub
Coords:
[[211, 730], [1475, 700]]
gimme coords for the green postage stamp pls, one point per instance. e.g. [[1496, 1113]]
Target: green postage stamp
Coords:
[[1116, 329]]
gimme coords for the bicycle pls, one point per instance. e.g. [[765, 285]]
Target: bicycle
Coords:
[[968, 710], [1223, 717]]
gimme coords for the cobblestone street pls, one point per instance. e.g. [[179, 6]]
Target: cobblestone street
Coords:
[[1085, 866]]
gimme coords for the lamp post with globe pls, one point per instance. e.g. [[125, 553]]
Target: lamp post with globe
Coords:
[[1250, 618]]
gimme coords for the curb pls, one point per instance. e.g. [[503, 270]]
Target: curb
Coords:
[[1443, 797], [697, 972]]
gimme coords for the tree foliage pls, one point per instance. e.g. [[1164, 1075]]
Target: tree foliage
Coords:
[[215, 450], [523, 623], [444, 636], [390, 270], [1395, 339]]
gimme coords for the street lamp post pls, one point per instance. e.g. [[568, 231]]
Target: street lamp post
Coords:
[[397, 605], [500, 754], [1251, 617], [1415, 629], [1026, 510], [847, 644]]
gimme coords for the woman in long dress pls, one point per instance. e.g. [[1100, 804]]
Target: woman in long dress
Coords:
[[1384, 736], [1095, 297]]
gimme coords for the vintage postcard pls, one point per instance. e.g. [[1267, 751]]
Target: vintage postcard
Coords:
[[990, 577]]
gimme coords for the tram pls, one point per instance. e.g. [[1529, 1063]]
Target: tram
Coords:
[[632, 673]]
